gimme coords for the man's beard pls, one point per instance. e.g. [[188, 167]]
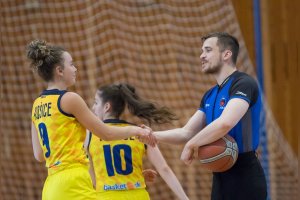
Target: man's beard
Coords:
[[213, 70]]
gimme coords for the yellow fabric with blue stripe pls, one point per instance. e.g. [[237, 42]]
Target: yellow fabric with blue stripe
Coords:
[[60, 134], [117, 164]]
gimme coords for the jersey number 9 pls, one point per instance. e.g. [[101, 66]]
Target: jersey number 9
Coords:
[[44, 137]]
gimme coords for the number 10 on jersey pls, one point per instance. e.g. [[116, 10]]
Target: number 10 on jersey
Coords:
[[113, 159]]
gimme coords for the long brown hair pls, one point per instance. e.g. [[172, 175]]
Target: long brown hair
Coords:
[[120, 95]]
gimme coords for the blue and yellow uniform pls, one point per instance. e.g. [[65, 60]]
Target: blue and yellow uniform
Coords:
[[61, 137], [118, 166]]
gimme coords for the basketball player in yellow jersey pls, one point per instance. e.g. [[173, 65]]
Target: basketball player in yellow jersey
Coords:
[[117, 165], [59, 121]]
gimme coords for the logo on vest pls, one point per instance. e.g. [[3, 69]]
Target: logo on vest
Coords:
[[222, 103]]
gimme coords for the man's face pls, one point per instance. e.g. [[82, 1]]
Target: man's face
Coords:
[[211, 57]]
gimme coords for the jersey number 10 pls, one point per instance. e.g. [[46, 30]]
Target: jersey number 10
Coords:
[[114, 163]]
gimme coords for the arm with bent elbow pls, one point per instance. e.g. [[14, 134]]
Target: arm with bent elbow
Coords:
[[232, 114], [72, 103]]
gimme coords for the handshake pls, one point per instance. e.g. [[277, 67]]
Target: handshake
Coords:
[[145, 135]]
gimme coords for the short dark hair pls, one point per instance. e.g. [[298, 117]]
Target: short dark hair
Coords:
[[225, 41]]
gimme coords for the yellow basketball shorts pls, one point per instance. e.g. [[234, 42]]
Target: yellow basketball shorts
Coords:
[[69, 184], [138, 194]]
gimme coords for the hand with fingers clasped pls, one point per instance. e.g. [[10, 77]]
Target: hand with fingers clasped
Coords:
[[146, 136]]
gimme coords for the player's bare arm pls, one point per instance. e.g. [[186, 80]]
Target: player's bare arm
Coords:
[[160, 164], [72, 103], [233, 112], [37, 149], [184, 134]]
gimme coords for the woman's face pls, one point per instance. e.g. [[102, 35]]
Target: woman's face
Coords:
[[69, 70], [98, 107]]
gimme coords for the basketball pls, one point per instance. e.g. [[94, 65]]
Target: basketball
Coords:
[[220, 155]]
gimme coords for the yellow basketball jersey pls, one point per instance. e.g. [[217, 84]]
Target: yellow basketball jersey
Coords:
[[117, 164], [60, 134]]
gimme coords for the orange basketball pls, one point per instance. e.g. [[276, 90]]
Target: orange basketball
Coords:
[[220, 155]]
